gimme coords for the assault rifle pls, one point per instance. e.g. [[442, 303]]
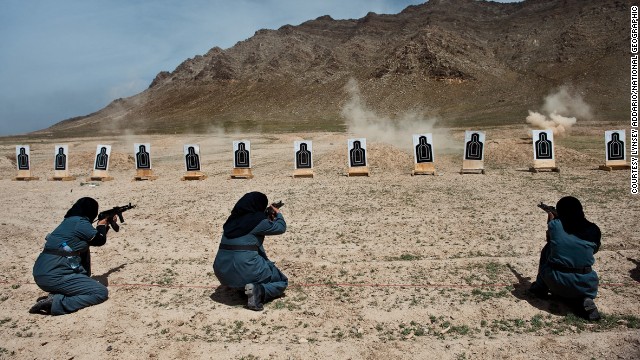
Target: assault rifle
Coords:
[[269, 211], [549, 209], [116, 210]]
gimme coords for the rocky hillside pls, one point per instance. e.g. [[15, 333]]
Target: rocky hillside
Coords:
[[468, 62]]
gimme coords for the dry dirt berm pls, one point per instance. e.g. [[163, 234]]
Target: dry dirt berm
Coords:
[[389, 266]]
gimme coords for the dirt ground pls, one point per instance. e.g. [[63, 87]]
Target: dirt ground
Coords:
[[382, 267]]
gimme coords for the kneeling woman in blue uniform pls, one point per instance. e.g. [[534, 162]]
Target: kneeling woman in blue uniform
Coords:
[[241, 261], [566, 260], [64, 267]]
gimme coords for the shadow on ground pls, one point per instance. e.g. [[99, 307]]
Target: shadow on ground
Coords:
[[104, 278], [229, 296], [635, 273], [551, 305]]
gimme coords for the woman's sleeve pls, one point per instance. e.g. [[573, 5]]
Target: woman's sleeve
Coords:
[[84, 230], [93, 236], [554, 230], [101, 236], [276, 227]]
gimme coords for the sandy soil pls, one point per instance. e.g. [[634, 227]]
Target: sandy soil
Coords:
[[382, 267]]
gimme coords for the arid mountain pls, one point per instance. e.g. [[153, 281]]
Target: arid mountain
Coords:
[[468, 62]]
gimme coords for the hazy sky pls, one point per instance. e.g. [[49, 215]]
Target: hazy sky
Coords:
[[67, 58]]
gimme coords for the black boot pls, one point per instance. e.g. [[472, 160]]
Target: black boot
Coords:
[[590, 309], [42, 305], [539, 291]]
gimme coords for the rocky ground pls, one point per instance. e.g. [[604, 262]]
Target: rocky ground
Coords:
[[380, 267]]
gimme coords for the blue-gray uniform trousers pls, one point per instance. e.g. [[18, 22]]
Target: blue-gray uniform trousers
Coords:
[[236, 268], [71, 292], [72, 288], [275, 285]]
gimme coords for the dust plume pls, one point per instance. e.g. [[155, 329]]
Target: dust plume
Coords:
[[117, 115], [563, 109], [361, 121]]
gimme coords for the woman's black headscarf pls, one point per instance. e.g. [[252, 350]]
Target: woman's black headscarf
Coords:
[[574, 222], [246, 214], [86, 207]]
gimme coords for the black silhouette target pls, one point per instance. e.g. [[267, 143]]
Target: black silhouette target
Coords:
[[474, 147], [22, 157], [357, 152], [543, 145], [102, 157], [192, 157], [241, 154], [615, 146], [143, 157], [424, 150], [303, 155], [60, 161]]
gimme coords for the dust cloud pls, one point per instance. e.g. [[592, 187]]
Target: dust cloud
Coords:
[[561, 110], [364, 122]]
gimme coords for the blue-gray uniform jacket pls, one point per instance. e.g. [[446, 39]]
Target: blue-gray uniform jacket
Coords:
[[72, 289], [565, 252], [76, 231], [236, 268]]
